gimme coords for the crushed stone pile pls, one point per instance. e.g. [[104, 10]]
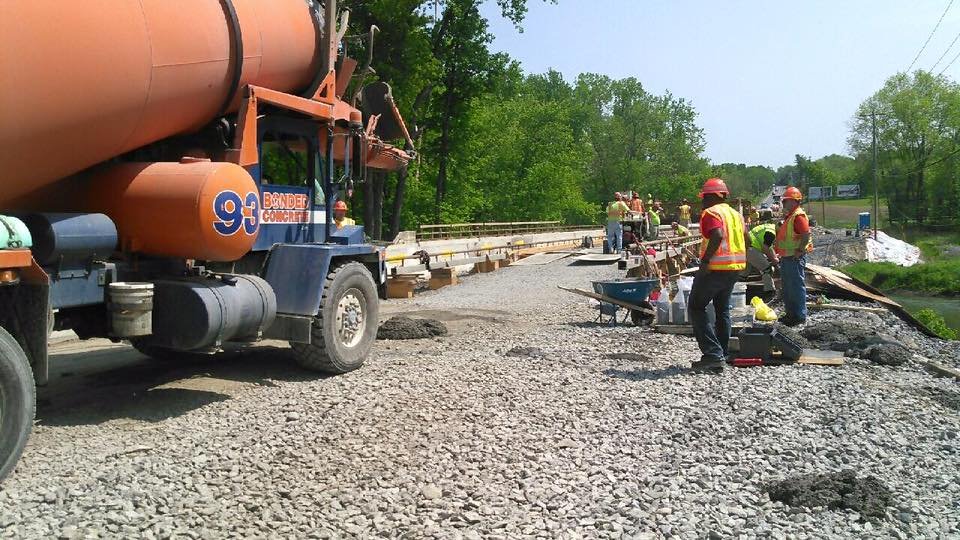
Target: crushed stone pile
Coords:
[[844, 490], [402, 327]]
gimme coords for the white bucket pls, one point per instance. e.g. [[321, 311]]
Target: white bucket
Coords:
[[738, 298], [131, 309]]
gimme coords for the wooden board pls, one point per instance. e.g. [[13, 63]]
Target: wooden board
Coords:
[[541, 258], [856, 288], [942, 370], [815, 306], [599, 258], [817, 357], [678, 329]]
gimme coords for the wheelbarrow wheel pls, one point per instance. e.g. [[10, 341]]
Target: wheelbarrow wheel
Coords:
[[641, 318]]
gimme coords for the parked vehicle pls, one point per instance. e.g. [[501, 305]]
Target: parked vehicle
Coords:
[[167, 179]]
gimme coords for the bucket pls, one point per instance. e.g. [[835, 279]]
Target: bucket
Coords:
[[131, 309], [738, 298]]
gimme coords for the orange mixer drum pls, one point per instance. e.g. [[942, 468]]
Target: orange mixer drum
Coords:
[[83, 82], [192, 210]]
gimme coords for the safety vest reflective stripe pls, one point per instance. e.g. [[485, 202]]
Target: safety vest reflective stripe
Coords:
[[788, 241], [732, 253]]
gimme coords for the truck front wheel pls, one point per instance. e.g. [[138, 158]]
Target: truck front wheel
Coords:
[[344, 330], [18, 396]]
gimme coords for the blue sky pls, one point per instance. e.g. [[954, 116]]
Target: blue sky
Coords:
[[769, 79]]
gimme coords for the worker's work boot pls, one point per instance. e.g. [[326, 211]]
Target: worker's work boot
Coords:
[[707, 364]]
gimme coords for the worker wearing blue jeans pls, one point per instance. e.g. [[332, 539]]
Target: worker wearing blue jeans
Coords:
[[615, 213], [712, 339], [723, 255], [792, 245], [792, 274]]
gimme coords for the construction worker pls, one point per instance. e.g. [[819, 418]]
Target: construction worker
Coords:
[[791, 246], [653, 222], [340, 218], [679, 230], [616, 211], [636, 204], [684, 213], [760, 254], [649, 200], [754, 217], [723, 255]]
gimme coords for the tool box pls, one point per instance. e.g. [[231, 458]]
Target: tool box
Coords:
[[765, 343]]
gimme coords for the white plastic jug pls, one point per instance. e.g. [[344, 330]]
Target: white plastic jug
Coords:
[[663, 307], [679, 308], [738, 298]]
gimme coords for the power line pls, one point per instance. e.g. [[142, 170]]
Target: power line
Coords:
[[950, 64], [945, 52], [934, 31]]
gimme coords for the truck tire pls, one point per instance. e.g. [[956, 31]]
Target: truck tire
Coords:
[[344, 330], [18, 399]]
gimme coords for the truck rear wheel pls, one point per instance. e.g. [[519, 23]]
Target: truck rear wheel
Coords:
[[18, 397], [344, 330]]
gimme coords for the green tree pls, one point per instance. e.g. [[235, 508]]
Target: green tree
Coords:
[[918, 124]]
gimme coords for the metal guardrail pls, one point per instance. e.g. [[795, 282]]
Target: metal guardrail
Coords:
[[448, 231]]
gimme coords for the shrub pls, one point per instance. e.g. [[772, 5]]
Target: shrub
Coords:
[[932, 320]]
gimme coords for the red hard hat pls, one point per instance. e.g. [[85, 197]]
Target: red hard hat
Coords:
[[714, 185], [340, 205], [792, 193]]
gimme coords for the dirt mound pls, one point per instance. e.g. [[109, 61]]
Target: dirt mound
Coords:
[[857, 341], [843, 490], [402, 327]]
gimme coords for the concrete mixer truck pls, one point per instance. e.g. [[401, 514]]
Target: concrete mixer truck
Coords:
[[166, 171]]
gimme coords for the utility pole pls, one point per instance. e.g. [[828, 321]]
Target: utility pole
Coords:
[[876, 188]]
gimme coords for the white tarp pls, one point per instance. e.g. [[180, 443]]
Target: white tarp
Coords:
[[889, 249]]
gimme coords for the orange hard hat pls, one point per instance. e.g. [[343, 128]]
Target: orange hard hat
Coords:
[[340, 205], [792, 193], [714, 185]]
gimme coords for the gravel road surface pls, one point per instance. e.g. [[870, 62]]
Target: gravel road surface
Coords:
[[451, 437]]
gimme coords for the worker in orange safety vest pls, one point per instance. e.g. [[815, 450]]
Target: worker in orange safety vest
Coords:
[[792, 245], [723, 255]]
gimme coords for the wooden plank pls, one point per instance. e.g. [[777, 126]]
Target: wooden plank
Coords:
[[679, 329], [942, 370], [858, 288], [540, 259], [815, 306], [821, 358], [841, 280]]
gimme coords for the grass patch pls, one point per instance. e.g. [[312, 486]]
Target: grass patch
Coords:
[[939, 277], [932, 320], [842, 213]]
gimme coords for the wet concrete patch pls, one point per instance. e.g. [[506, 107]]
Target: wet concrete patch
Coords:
[[403, 327], [838, 491]]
